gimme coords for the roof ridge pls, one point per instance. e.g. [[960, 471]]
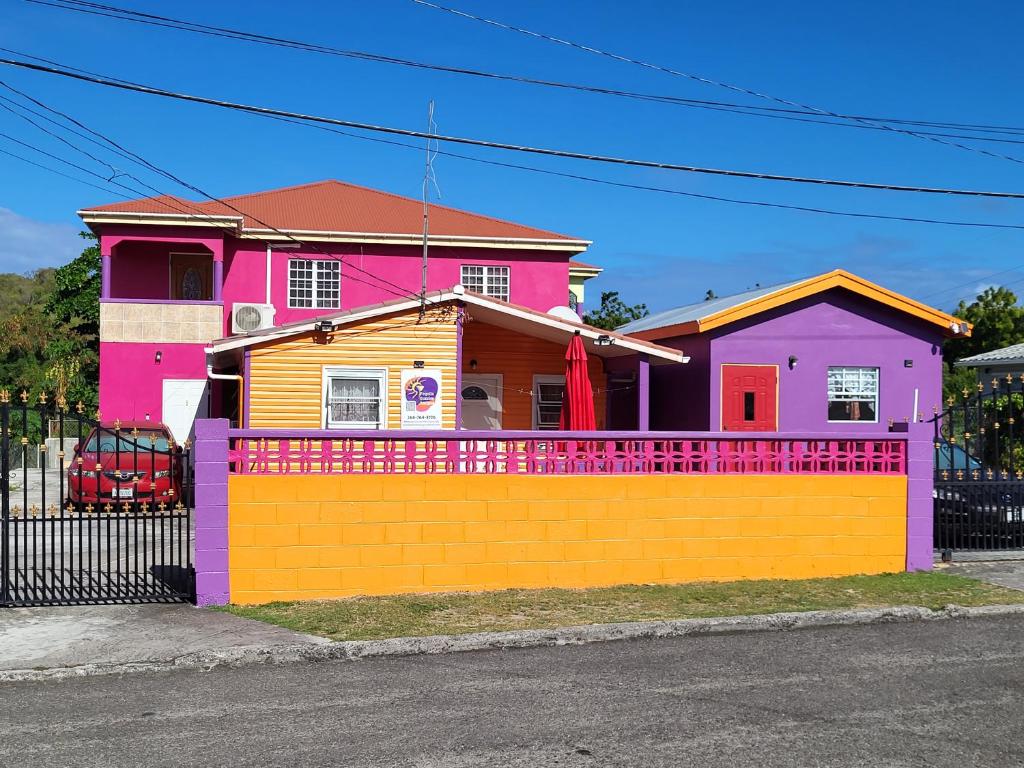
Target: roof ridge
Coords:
[[396, 196]]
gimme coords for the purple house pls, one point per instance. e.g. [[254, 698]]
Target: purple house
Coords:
[[830, 353]]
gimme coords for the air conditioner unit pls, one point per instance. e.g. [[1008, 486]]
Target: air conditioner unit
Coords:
[[251, 317]]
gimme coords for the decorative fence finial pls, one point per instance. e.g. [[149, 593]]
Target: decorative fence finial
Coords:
[[5, 396]]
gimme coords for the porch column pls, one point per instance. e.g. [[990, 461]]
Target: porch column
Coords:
[[218, 276], [459, 322], [105, 276], [643, 393]]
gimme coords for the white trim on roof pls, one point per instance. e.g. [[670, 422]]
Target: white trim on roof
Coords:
[[549, 321], [390, 238]]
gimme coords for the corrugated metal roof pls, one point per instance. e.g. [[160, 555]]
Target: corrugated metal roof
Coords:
[[1011, 354], [700, 310], [335, 206]]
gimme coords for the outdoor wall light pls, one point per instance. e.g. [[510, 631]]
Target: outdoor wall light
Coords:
[[324, 326], [158, 356], [472, 364], [604, 340], [792, 362]]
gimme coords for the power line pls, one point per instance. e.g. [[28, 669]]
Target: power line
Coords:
[[402, 292], [53, 170], [182, 25], [662, 190], [705, 80], [128, 86], [574, 176]]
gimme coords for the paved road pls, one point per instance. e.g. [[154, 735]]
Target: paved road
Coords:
[[931, 694]]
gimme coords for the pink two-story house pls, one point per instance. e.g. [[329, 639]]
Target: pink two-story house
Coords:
[[179, 274]]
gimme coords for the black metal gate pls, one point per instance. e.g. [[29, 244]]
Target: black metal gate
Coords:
[[979, 468], [91, 512]]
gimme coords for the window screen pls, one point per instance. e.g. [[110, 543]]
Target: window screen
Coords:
[[852, 394], [355, 399], [490, 281]]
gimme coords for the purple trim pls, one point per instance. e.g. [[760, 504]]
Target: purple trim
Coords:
[[211, 510], [538, 434], [104, 277], [218, 278], [643, 393], [458, 367], [245, 384], [158, 301]]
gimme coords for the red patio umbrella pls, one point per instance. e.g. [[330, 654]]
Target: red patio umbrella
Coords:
[[578, 402]]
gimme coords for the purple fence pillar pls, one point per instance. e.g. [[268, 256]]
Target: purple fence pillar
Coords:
[[211, 505], [920, 503]]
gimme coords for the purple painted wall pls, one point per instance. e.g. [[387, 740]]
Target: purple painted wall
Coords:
[[679, 392], [834, 328]]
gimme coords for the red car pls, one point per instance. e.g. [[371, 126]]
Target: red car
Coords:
[[126, 468]]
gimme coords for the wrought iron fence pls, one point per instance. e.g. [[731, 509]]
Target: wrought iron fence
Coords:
[[102, 515], [979, 467]]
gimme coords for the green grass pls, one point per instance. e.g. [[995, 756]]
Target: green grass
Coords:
[[368, 618]]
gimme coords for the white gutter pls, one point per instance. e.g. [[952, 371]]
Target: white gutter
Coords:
[[229, 377]]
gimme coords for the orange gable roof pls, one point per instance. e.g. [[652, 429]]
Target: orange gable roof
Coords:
[[334, 206]]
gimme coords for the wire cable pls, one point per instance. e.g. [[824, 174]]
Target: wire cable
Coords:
[[401, 291], [138, 88], [705, 80], [182, 25]]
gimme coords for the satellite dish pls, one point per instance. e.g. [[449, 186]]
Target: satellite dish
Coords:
[[564, 313]]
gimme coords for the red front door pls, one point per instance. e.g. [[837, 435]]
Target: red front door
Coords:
[[750, 398]]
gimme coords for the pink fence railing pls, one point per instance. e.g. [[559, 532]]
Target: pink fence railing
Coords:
[[272, 452]]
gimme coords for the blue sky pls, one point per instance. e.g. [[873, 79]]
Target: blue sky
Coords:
[[936, 60]]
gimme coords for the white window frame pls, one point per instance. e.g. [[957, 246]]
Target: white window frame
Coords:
[[861, 395], [539, 379], [353, 372], [488, 271], [318, 270]]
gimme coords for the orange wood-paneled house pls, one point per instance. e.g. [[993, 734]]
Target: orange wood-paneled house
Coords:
[[463, 360]]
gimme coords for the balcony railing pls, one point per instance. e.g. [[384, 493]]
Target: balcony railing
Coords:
[[319, 452]]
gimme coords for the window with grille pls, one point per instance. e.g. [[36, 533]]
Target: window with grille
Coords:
[[356, 398], [852, 394], [490, 281], [314, 284], [547, 401]]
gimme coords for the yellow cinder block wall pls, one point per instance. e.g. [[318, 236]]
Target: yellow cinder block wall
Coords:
[[305, 537]]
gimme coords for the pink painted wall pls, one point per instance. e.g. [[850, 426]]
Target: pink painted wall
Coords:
[[538, 279], [131, 381]]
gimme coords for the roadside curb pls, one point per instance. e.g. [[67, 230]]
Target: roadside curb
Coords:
[[355, 650]]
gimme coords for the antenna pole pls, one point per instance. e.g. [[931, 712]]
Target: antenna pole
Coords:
[[427, 172]]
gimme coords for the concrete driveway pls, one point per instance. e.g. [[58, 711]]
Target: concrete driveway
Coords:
[[1004, 573], [36, 638]]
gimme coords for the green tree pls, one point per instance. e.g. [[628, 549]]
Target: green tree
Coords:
[[49, 329], [998, 321], [614, 312]]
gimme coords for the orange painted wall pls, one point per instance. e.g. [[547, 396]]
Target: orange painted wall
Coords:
[[518, 358], [304, 536]]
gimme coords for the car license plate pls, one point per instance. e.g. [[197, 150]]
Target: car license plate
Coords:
[[125, 493]]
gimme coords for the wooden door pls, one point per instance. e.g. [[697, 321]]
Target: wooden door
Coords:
[[750, 398], [191, 276]]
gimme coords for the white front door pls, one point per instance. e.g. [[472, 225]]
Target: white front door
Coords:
[[185, 400], [481, 401]]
